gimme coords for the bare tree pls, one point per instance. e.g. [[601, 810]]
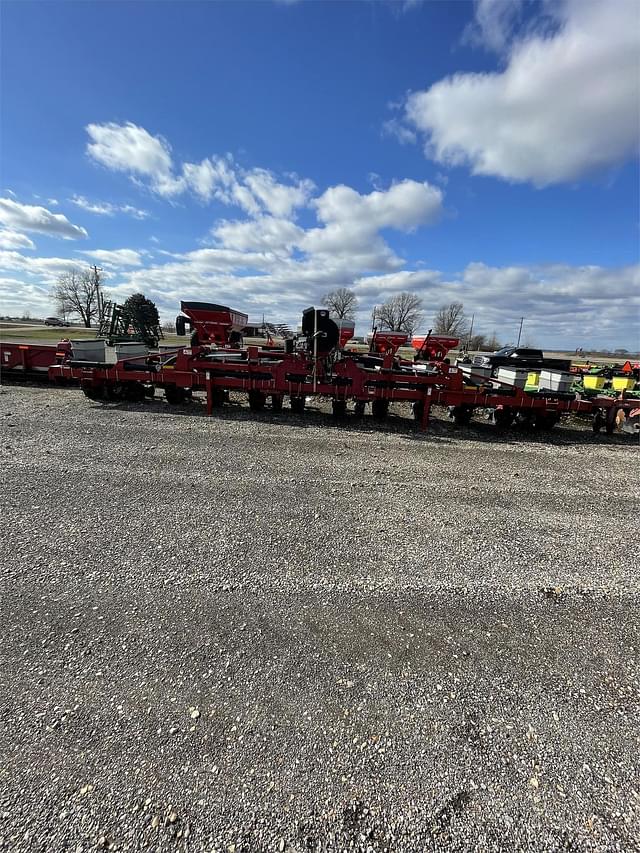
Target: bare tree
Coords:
[[401, 313], [77, 293], [492, 344], [342, 303], [477, 343], [451, 320]]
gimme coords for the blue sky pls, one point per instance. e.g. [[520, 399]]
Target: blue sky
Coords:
[[261, 153]]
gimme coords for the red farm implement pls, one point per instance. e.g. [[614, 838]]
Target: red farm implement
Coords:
[[314, 364]]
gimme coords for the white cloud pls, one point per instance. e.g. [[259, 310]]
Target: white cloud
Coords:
[[105, 208], [45, 270], [494, 23], [53, 202], [563, 306], [133, 150], [14, 240], [348, 231], [259, 235], [29, 217], [276, 198], [565, 105], [115, 257]]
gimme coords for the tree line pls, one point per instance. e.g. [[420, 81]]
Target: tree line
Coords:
[[404, 313]]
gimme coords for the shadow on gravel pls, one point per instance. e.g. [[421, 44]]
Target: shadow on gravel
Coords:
[[440, 429]]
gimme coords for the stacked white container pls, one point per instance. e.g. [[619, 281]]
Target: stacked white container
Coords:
[[555, 380], [513, 376]]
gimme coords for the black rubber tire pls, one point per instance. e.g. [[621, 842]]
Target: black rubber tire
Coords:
[[149, 391], [379, 409], [218, 397], [297, 405], [174, 395], [133, 392], [114, 391], [359, 407], [462, 415], [339, 408], [418, 410], [91, 392], [546, 422], [276, 403], [599, 420], [503, 418], [257, 401]]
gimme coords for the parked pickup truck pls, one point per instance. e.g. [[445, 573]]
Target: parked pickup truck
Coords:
[[524, 357]]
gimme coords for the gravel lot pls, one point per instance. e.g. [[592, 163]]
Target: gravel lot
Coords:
[[258, 632]]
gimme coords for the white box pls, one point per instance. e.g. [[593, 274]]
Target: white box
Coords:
[[555, 380], [88, 350], [513, 376], [474, 372]]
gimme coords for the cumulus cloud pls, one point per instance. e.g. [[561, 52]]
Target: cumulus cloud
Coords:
[[133, 150], [14, 240], [29, 217], [565, 105], [266, 234], [349, 226], [115, 257], [404, 206], [105, 208], [45, 270], [276, 198]]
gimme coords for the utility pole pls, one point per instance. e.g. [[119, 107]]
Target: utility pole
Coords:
[[99, 297], [520, 332], [470, 335]]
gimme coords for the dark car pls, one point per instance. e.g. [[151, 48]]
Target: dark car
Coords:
[[524, 357], [55, 321]]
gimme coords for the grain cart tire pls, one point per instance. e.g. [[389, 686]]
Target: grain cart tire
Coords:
[[276, 403], [462, 415], [256, 400], [174, 395], [379, 409], [297, 405], [339, 408]]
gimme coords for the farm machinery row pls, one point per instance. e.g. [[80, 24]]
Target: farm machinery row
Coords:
[[316, 363]]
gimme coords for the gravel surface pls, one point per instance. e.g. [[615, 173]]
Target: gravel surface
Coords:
[[283, 633]]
